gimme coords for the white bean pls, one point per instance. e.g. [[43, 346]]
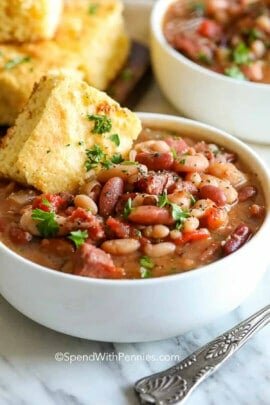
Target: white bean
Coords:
[[156, 231], [181, 198], [200, 207], [263, 22], [28, 224], [191, 163], [160, 249], [175, 234], [258, 48], [83, 201], [152, 146], [227, 171], [121, 246], [123, 171], [191, 224], [195, 178]]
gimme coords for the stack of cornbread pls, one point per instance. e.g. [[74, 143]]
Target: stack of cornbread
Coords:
[[84, 38]]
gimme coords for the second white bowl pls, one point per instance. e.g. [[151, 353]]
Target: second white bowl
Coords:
[[239, 107]]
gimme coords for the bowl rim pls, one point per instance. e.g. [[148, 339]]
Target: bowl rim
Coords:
[[157, 15], [261, 233]]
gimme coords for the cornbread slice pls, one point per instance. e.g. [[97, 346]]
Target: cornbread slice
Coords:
[[93, 29], [22, 67], [29, 20], [47, 146], [91, 42]]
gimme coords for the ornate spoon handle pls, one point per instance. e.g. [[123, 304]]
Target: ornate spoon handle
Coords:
[[174, 385]]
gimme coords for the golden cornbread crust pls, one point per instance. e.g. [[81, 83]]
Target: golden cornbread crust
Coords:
[[92, 45], [47, 146], [29, 20]]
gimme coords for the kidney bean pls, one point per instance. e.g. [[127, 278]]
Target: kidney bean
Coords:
[[150, 215], [246, 192], [156, 161], [213, 193], [237, 239], [109, 195]]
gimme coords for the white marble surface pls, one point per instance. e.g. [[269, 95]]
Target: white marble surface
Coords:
[[30, 375]]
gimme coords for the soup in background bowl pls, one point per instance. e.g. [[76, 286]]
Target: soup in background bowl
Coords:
[[228, 37]]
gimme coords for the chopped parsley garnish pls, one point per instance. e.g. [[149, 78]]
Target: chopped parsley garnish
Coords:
[[46, 222], [192, 199], [163, 200], [92, 9], [174, 153], [115, 139], [46, 202], [102, 123], [147, 265], [147, 262], [235, 73], [127, 208], [127, 74], [117, 159], [253, 34], [96, 156], [178, 214], [203, 58], [10, 64], [198, 8], [145, 273], [241, 54], [78, 237], [138, 233]]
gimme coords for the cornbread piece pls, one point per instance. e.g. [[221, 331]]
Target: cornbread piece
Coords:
[[28, 20], [94, 30], [47, 146], [90, 41], [22, 67]]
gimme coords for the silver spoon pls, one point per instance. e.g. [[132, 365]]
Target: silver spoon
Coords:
[[174, 385]]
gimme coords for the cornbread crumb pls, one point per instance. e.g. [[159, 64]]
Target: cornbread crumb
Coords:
[[47, 146]]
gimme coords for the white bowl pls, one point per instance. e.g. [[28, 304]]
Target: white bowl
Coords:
[[239, 107], [142, 310]]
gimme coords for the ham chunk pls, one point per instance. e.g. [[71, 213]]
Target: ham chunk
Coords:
[[91, 261]]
